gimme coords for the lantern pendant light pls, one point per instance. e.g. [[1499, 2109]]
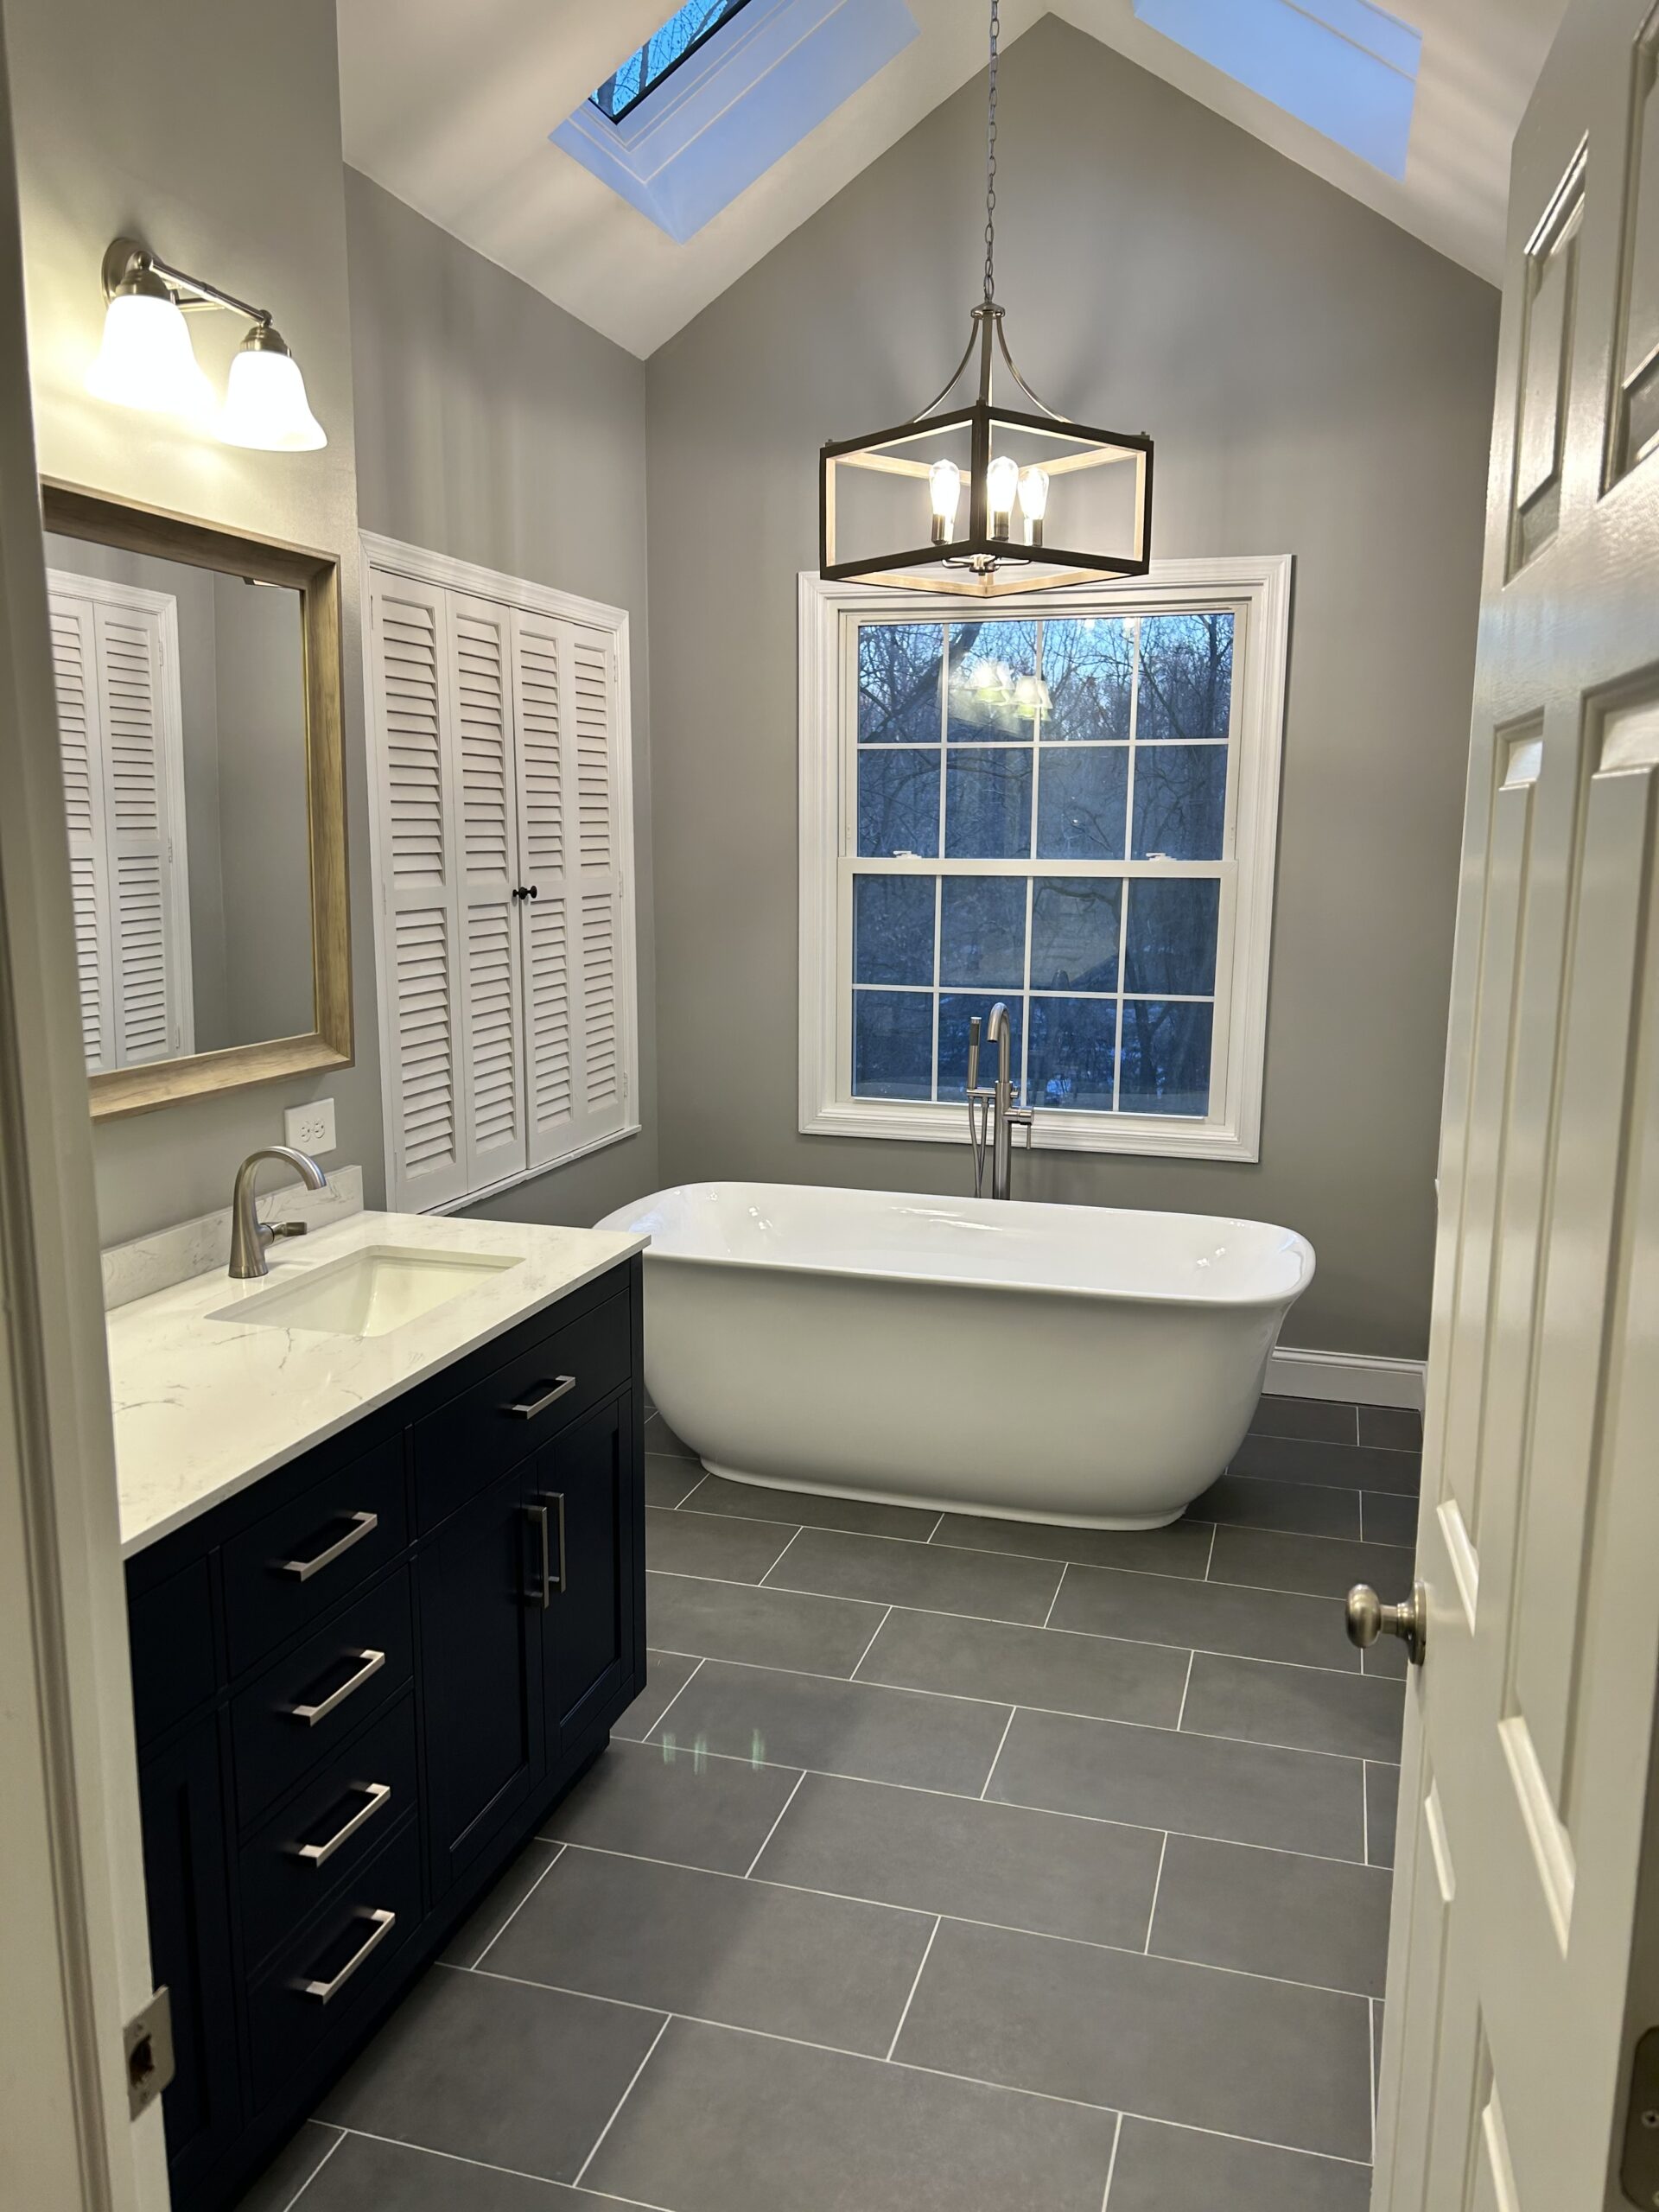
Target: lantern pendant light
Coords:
[[1049, 502]]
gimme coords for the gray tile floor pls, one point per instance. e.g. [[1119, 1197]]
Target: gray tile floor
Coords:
[[946, 1866]]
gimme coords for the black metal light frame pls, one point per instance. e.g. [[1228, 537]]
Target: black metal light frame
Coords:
[[983, 564]]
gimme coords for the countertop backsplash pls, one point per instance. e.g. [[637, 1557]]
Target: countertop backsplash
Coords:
[[191, 1248]]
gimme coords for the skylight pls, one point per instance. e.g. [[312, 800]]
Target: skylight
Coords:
[[646, 66], [1343, 65], [722, 91]]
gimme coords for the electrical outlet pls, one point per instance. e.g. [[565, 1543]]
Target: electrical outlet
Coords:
[[310, 1129]]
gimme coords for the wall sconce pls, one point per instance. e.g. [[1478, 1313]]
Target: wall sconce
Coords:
[[147, 361]]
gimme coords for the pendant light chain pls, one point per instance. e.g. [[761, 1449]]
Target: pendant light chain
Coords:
[[990, 162]]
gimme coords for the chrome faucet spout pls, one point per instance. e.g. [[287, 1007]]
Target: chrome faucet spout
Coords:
[[249, 1235]]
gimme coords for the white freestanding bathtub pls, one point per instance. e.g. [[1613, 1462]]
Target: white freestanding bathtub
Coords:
[[1047, 1363]]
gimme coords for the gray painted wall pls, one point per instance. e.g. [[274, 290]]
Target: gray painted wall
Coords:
[[494, 426], [215, 137], [1318, 384]]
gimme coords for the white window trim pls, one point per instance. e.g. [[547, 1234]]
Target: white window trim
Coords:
[[1259, 588], [390, 556]]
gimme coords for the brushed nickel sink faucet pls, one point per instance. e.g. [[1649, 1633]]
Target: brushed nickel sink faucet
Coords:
[[249, 1235], [992, 1115]]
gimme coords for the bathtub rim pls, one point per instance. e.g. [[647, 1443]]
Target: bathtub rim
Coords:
[[657, 1254]]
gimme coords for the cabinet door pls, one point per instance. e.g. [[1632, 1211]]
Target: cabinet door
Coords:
[[481, 1668], [188, 1891], [585, 1481]]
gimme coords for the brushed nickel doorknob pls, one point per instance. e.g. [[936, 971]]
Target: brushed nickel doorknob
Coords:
[[1368, 1618]]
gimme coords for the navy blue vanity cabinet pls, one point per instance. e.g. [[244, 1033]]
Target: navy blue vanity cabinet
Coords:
[[481, 1667], [359, 1685]]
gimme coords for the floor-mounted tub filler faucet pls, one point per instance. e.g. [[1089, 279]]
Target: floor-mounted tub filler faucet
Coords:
[[249, 1235], [992, 1114]]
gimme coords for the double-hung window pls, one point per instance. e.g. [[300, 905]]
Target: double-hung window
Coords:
[[1067, 803]]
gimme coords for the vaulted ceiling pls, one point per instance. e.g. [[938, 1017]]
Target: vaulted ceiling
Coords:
[[449, 108]]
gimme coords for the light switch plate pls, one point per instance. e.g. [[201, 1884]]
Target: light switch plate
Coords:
[[310, 1129]]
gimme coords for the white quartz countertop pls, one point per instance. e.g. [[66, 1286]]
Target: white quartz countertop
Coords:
[[205, 1406]]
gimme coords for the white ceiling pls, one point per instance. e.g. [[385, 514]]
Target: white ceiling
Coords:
[[449, 108]]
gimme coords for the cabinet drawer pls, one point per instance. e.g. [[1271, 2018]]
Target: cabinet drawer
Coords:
[[339, 1964], [298, 1562], [540, 1391], [302, 1709], [324, 1836], [170, 1629]]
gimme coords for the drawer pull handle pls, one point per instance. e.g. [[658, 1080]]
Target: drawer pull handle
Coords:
[[379, 1797], [373, 1663], [383, 1921], [363, 1524], [527, 1408], [551, 1585]]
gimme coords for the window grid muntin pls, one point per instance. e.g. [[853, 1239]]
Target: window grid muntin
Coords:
[[1034, 867]]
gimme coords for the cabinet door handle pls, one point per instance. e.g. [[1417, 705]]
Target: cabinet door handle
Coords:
[[373, 1663], [383, 1921], [527, 1408], [363, 1524], [379, 1797], [544, 1596], [556, 1499]]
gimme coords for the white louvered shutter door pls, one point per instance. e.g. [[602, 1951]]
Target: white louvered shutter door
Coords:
[[492, 1055], [603, 1024], [420, 890], [146, 955], [542, 683], [74, 662]]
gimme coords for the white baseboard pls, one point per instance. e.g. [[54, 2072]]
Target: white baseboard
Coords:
[[1346, 1375]]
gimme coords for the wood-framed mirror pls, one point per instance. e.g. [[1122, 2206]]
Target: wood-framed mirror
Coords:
[[199, 710]]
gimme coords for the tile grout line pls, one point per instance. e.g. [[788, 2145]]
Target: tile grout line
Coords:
[[865, 1654], [763, 1584], [661, 2031], [749, 1870], [934, 1530], [926, 1954], [1065, 1569], [1371, 2053], [1210, 1556], [1057, 1712], [680, 1504], [1186, 1685], [922, 1912], [934, 2073], [318, 2168], [679, 1692], [1059, 1559], [991, 1769], [517, 1910], [1014, 1804], [1152, 1917], [483, 2165], [1111, 2163], [1001, 1620]]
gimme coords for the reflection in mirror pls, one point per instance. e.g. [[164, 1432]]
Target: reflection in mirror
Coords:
[[182, 719]]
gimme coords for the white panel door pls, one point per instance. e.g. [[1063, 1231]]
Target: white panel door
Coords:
[[1527, 1752], [481, 731], [543, 703], [601, 1073], [420, 890], [578, 1028]]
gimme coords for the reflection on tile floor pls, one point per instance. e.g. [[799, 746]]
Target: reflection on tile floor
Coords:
[[944, 1863]]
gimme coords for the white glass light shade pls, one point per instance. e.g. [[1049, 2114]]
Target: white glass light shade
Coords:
[[265, 403], [1002, 483], [147, 359]]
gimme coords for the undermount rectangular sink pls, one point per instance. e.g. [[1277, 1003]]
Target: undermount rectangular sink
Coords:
[[367, 1294]]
